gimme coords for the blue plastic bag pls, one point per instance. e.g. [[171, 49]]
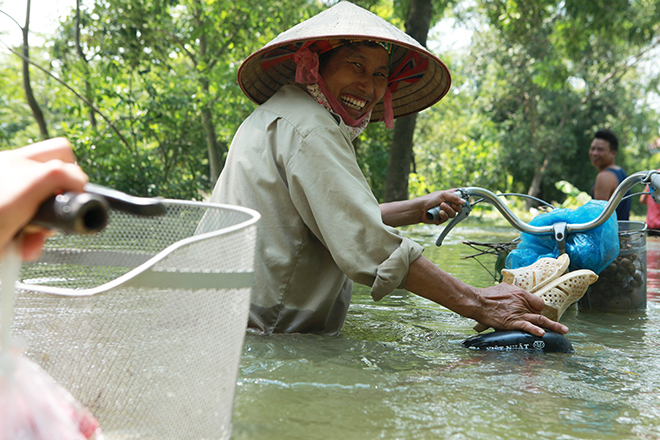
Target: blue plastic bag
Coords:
[[594, 249]]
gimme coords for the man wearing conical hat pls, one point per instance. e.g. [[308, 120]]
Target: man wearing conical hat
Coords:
[[318, 85]]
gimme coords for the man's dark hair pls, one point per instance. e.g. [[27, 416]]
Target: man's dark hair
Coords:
[[609, 136]]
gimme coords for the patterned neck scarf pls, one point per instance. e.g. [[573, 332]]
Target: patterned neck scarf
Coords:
[[315, 91]]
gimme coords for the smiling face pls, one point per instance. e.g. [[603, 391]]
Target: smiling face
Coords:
[[601, 155], [357, 77]]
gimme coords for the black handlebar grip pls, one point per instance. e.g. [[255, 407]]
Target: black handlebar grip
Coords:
[[71, 212], [433, 214]]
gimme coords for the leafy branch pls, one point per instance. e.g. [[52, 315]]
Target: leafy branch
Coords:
[[78, 95]]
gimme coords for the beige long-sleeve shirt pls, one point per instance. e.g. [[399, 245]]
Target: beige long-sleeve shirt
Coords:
[[321, 227]]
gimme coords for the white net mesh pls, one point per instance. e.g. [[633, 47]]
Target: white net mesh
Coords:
[[144, 322]]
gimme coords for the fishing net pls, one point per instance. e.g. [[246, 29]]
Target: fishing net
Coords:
[[144, 322]]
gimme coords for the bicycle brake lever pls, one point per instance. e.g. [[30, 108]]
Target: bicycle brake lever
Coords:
[[460, 216]]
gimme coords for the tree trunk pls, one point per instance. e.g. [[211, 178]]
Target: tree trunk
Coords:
[[214, 148], [27, 86], [401, 150], [398, 166], [535, 186]]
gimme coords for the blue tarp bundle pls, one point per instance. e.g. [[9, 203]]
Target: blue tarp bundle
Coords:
[[594, 249]]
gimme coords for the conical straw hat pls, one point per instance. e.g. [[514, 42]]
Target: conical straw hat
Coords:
[[419, 83]]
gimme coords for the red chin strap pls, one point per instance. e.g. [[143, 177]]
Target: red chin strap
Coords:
[[337, 107]]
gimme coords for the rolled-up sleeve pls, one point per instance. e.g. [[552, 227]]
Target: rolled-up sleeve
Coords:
[[391, 273]]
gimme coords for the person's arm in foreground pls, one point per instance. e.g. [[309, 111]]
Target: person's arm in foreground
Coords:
[[502, 306], [29, 176]]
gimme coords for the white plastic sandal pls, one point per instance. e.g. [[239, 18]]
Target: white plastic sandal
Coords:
[[537, 275], [541, 279], [564, 291]]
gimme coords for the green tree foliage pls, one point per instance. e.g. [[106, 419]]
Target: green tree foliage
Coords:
[[15, 117], [551, 73], [458, 146], [17, 123], [160, 78], [419, 16]]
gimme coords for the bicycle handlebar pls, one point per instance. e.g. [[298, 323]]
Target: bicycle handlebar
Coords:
[[651, 178], [87, 212], [74, 213]]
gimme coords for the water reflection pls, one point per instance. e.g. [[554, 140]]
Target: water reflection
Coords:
[[398, 371]]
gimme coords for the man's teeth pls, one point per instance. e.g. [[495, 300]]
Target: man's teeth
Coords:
[[353, 103]]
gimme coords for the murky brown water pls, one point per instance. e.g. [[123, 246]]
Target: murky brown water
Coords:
[[398, 371]]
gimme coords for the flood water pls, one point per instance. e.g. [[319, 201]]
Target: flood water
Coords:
[[398, 370]]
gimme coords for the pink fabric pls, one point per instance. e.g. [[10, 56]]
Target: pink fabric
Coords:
[[410, 70], [652, 212], [307, 66]]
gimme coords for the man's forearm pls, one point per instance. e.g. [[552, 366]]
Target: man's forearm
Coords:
[[429, 281], [402, 213], [502, 306]]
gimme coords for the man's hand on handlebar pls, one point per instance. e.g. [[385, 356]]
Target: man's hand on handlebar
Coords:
[[410, 212], [450, 203], [507, 307]]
